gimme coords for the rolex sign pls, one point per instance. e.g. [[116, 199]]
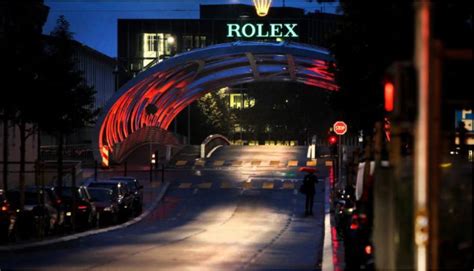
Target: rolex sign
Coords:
[[250, 30]]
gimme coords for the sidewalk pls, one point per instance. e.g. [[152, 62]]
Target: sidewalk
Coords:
[[333, 248], [152, 195]]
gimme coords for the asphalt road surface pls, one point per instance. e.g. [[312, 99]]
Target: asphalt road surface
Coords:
[[208, 220]]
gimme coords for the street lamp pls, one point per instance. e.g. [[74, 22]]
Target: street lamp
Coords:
[[170, 40]]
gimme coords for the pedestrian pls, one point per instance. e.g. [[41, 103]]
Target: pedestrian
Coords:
[[309, 183]]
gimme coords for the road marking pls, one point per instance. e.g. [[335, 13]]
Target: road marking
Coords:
[[293, 163], [295, 191], [218, 163], [267, 185], [226, 184], [237, 163], [200, 163], [311, 163], [185, 185], [181, 163], [288, 185], [256, 163], [274, 163], [195, 191], [247, 185], [328, 163], [205, 185]]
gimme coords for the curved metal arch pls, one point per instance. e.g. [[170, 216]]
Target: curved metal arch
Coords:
[[175, 83]]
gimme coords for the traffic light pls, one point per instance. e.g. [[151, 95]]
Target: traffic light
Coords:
[[332, 140], [400, 98]]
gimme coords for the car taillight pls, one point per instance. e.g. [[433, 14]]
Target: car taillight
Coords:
[[355, 222], [363, 219], [368, 249], [4, 208], [82, 207], [58, 201]]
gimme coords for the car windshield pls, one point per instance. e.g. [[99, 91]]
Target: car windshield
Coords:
[[31, 198], [131, 186], [112, 186], [67, 193], [101, 194]]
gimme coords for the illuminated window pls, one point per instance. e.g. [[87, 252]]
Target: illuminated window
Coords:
[[236, 101], [152, 43], [156, 46]]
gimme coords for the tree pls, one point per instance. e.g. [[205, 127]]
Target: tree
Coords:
[[20, 51], [374, 35], [68, 103], [215, 114]]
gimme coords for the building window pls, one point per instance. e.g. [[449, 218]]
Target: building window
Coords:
[[237, 100], [187, 43], [156, 46], [199, 41], [152, 43]]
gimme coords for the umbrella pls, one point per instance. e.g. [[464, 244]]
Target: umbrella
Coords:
[[308, 169]]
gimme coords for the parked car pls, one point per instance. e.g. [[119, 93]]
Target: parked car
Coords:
[[358, 242], [84, 209], [136, 189], [120, 189], [38, 216], [107, 204], [7, 219]]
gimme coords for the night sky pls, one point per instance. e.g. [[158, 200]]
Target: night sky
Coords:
[[94, 22]]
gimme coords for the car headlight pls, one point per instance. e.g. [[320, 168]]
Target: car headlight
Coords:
[[68, 214], [107, 209]]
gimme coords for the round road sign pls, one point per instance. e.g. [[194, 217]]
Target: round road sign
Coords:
[[340, 127]]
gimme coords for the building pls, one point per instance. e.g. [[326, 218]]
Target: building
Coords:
[[16, 19], [143, 43], [99, 71]]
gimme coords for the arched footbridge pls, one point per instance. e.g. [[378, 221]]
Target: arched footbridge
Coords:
[[156, 96]]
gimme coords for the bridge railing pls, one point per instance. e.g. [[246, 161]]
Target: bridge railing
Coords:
[[212, 143]]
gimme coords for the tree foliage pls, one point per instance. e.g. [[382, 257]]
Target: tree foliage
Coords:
[[69, 102]]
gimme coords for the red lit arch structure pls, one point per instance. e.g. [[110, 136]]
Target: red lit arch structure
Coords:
[[175, 83]]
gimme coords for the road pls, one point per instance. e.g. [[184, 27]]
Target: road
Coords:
[[208, 220]]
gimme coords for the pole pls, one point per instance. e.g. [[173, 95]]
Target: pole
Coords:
[[5, 151], [74, 204], [151, 172], [422, 137], [163, 172], [339, 162], [95, 170], [189, 124]]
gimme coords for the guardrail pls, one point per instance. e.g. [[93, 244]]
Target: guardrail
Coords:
[[212, 143]]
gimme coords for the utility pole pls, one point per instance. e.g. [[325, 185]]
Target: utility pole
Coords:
[[422, 136]]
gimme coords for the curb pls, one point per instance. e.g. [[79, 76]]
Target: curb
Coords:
[[328, 261], [90, 232]]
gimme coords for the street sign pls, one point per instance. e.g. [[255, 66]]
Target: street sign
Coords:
[[340, 127]]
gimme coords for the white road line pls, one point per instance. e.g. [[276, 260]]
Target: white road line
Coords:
[[195, 191]]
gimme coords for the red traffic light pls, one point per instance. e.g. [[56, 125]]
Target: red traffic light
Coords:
[[389, 96], [332, 140]]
